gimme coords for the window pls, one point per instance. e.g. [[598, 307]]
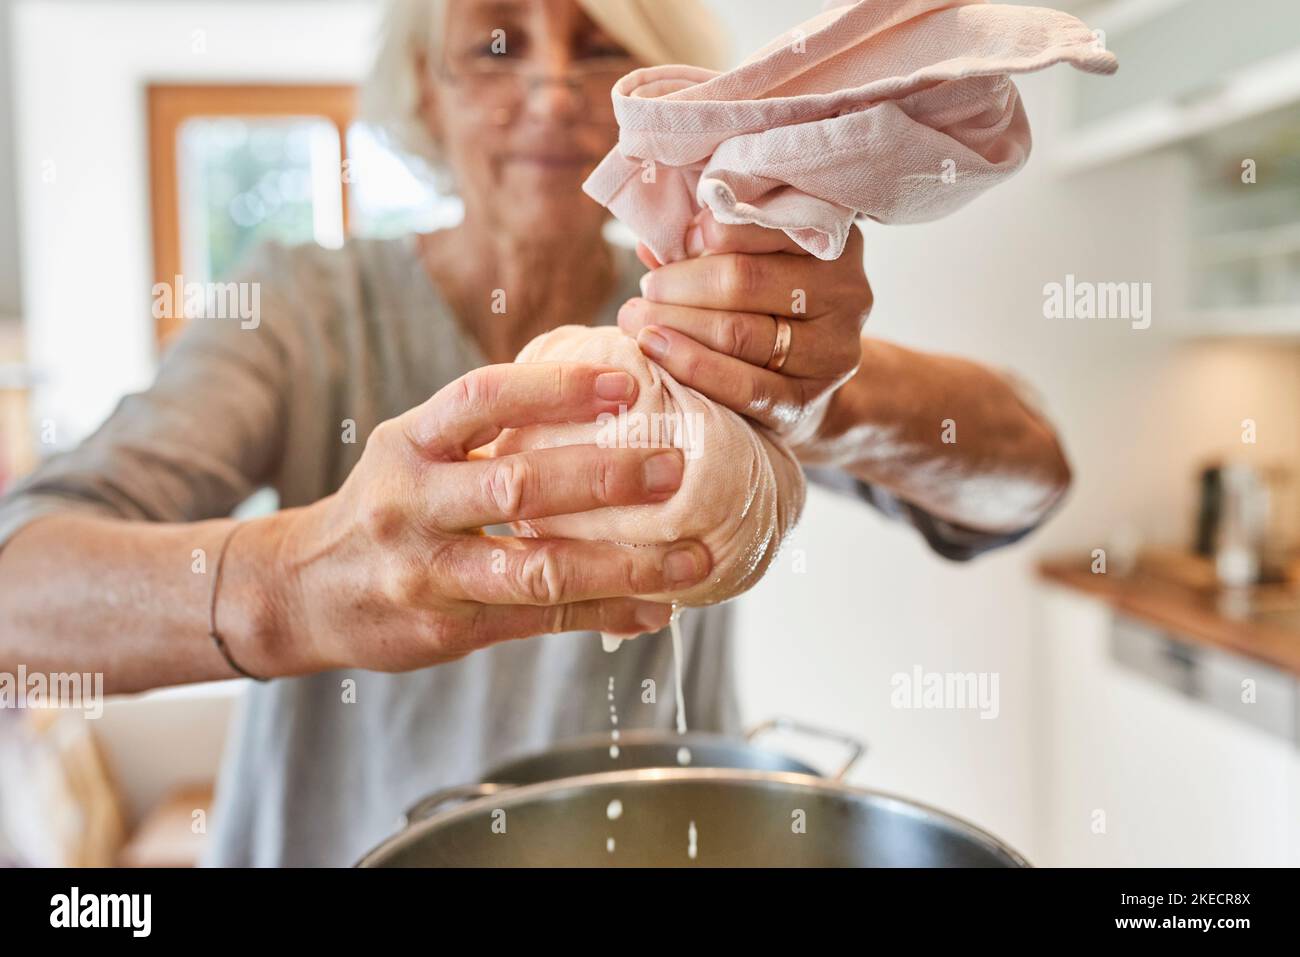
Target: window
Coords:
[[244, 181], [235, 166], [387, 199]]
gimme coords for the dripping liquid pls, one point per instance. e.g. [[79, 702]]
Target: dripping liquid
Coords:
[[675, 624]]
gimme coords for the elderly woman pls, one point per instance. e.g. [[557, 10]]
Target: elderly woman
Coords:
[[372, 598]]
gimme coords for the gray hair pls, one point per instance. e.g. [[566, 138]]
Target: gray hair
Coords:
[[656, 31], [390, 96]]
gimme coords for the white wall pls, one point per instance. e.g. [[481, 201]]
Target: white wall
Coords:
[[87, 259], [10, 292], [752, 25]]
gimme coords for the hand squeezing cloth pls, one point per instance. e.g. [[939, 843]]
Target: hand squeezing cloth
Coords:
[[895, 110]]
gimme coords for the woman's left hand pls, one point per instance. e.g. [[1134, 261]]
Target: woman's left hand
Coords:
[[712, 321]]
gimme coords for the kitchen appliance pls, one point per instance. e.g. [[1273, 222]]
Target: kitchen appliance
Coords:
[[678, 817], [1246, 522]]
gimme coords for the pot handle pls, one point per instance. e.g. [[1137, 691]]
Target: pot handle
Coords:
[[428, 805], [856, 747]]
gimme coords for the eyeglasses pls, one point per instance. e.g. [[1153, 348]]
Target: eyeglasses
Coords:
[[500, 85]]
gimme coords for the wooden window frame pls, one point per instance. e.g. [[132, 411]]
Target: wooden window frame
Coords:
[[171, 105]]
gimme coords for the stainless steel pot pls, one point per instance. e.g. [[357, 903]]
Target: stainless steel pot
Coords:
[[647, 749], [653, 816]]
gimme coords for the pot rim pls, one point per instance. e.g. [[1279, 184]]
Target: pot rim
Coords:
[[637, 736], [517, 795]]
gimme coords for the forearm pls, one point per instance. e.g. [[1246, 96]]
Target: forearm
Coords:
[[946, 434], [131, 600]]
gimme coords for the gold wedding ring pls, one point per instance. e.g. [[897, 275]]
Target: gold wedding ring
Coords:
[[781, 347]]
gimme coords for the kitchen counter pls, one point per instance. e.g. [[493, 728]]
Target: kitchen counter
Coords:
[[1177, 592]]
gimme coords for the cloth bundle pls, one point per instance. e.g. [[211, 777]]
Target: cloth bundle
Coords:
[[898, 110], [741, 490]]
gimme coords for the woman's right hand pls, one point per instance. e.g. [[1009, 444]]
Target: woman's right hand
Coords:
[[391, 573]]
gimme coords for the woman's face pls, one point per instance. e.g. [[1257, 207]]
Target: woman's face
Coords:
[[520, 103]]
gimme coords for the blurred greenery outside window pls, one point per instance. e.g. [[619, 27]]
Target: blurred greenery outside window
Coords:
[[244, 181]]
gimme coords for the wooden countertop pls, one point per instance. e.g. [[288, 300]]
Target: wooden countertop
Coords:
[[1177, 592]]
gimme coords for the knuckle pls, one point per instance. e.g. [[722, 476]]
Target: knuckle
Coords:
[[383, 436], [479, 632], [737, 336], [459, 395], [506, 485], [477, 389], [736, 277], [541, 576], [454, 637], [855, 296], [865, 303], [606, 479], [805, 397], [642, 572], [405, 586], [432, 631], [384, 520], [691, 363], [568, 380]]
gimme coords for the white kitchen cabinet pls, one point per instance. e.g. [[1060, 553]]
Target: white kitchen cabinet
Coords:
[[1219, 85], [1187, 67], [1133, 773]]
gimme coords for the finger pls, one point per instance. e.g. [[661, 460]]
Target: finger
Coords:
[[648, 258], [495, 570], [778, 284], [616, 616], [560, 481], [770, 398], [627, 616], [708, 237], [816, 350], [473, 410]]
